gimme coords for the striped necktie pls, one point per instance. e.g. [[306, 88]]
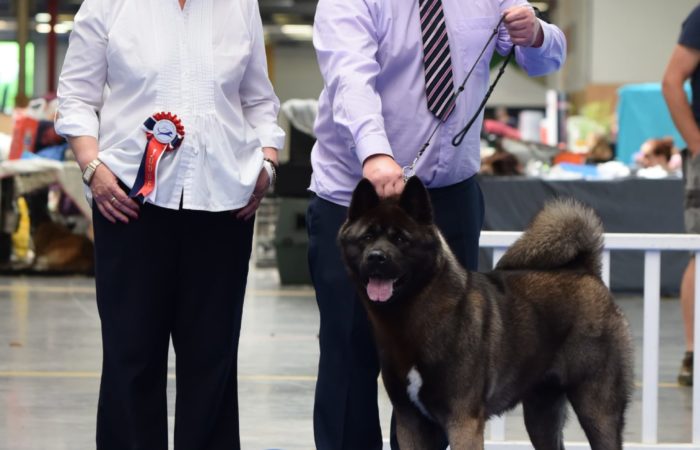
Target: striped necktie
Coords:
[[439, 85]]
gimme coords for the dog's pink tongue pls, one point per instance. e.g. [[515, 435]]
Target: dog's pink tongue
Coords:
[[380, 290]]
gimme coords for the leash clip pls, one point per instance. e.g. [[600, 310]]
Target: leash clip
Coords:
[[408, 171]]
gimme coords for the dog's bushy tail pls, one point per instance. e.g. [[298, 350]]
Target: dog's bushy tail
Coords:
[[565, 233]]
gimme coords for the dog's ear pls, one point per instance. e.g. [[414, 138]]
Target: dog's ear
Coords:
[[416, 201], [364, 198]]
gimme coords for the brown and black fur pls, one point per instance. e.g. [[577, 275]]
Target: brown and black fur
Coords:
[[541, 329]]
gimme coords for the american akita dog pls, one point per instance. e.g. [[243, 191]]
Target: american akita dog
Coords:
[[457, 347]]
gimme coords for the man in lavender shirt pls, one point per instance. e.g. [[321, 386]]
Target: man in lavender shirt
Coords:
[[373, 119]]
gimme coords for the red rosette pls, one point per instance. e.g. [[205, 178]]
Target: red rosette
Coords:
[[171, 124], [164, 132]]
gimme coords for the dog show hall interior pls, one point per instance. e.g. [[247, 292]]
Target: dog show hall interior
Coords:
[[174, 175]]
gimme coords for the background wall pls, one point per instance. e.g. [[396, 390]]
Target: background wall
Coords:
[[620, 41], [517, 90], [296, 73], [632, 39], [574, 18]]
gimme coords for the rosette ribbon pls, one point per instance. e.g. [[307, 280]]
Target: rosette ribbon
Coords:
[[164, 133]]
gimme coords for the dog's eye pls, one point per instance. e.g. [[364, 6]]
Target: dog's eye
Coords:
[[400, 239], [367, 236]]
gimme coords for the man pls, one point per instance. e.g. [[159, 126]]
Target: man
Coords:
[[390, 67], [683, 65]]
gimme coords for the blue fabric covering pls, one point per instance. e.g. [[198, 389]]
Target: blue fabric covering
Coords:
[[586, 170], [55, 152], [642, 114], [29, 155]]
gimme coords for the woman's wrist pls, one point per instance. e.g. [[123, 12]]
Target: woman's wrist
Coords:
[[271, 169], [270, 153]]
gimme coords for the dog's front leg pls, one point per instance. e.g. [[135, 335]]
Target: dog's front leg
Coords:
[[466, 432], [415, 432]]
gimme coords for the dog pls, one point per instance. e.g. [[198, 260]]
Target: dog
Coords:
[[458, 347]]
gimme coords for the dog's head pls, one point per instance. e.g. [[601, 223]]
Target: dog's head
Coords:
[[389, 246]]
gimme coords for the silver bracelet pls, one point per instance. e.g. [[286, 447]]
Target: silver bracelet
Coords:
[[271, 171]]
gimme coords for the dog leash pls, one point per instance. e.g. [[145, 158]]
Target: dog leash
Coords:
[[409, 171], [459, 137]]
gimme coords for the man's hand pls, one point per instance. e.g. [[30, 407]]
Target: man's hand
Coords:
[[385, 174], [523, 26]]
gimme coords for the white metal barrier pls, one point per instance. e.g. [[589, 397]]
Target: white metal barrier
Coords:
[[652, 245]]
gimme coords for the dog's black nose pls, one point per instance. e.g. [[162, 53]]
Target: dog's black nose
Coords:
[[376, 256]]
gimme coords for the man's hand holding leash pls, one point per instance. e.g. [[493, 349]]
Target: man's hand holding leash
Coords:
[[384, 173], [523, 26]]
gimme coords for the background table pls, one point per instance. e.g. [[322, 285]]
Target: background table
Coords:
[[629, 205]]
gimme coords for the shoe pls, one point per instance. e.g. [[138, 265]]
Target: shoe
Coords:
[[685, 376]]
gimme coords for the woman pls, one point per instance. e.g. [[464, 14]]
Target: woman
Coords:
[[171, 115]]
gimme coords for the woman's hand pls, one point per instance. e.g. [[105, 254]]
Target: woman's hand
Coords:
[[110, 199], [261, 188]]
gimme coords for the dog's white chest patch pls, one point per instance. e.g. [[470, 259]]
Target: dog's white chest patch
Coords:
[[415, 382]]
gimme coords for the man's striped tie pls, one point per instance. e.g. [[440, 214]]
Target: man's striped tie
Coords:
[[439, 85]]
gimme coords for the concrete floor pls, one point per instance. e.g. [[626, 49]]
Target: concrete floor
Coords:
[[50, 359]]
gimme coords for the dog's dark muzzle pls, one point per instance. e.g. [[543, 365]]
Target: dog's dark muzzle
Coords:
[[377, 263], [376, 258]]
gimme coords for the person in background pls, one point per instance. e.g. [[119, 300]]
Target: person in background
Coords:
[[683, 65], [172, 118], [390, 69]]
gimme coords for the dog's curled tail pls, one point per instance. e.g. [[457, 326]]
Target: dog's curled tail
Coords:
[[565, 233]]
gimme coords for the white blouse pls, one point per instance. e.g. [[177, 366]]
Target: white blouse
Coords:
[[128, 59]]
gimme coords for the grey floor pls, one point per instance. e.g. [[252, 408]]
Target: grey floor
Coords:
[[50, 360]]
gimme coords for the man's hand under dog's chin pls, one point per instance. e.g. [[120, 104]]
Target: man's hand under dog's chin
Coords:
[[385, 175]]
